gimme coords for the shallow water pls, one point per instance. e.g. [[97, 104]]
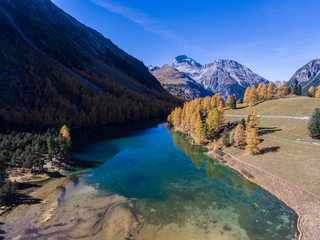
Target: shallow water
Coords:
[[176, 187]]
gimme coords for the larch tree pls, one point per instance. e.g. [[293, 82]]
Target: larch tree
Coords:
[[317, 94], [253, 96], [239, 136], [216, 146], [270, 90], [64, 131], [263, 91], [283, 89], [247, 95], [177, 117], [311, 91], [221, 113], [252, 141], [253, 120], [228, 100], [213, 124], [200, 131]]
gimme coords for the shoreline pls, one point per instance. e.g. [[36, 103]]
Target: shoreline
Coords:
[[303, 203]]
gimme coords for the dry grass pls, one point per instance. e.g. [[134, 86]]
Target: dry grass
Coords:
[[296, 162], [289, 106]]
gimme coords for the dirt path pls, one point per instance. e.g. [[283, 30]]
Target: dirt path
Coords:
[[263, 116]]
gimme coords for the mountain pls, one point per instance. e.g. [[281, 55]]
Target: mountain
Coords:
[[55, 70], [307, 76], [226, 77], [178, 83]]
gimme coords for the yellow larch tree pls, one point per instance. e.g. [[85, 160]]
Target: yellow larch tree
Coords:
[[317, 94], [239, 136], [247, 95], [270, 90], [221, 113], [213, 124], [177, 117], [216, 146], [253, 120], [64, 131], [200, 131], [228, 101], [263, 91], [253, 97], [252, 141], [311, 91]]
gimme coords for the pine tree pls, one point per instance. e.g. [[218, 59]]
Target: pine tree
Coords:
[[233, 102], [295, 89], [239, 136], [252, 141], [311, 91], [243, 122], [314, 124], [226, 138], [64, 131], [288, 90], [299, 90]]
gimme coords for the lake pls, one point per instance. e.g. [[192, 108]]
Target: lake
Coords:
[[178, 191]]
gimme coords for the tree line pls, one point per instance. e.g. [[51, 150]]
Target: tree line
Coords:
[[30, 151], [203, 120], [49, 97]]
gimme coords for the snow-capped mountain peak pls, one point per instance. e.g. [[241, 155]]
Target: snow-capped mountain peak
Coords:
[[186, 64]]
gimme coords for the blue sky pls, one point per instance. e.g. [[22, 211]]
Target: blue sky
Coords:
[[272, 37]]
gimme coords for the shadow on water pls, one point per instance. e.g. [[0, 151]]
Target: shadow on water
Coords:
[[86, 138], [91, 135]]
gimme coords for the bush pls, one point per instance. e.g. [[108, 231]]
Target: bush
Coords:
[[314, 124]]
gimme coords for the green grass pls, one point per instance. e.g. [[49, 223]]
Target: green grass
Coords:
[[298, 163]]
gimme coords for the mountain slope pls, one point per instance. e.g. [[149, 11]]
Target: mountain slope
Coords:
[[55, 70], [178, 83], [307, 76], [225, 77]]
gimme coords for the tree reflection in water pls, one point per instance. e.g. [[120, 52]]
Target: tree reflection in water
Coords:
[[213, 167]]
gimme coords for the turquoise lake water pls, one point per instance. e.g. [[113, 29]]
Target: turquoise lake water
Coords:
[[172, 181]]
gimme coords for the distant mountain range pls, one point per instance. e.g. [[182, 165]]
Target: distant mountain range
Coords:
[[54, 70], [307, 76], [178, 83], [225, 77]]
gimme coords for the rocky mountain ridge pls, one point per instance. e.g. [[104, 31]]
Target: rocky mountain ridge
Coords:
[[307, 76], [225, 77], [55, 70]]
